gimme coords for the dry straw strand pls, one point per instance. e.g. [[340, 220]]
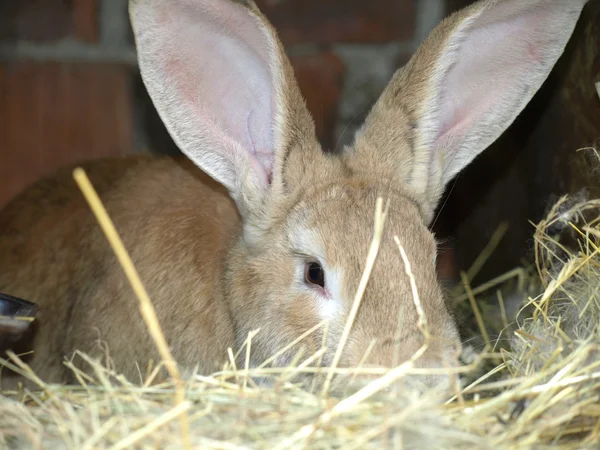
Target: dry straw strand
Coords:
[[476, 310], [160, 421], [146, 307], [488, 250], [380, 216], [422, 323]]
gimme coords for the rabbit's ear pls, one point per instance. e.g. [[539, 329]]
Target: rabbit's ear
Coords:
[[463, 87], [223, 86]]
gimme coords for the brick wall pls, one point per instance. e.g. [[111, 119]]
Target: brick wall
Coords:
[[70, 87], [65, 86]]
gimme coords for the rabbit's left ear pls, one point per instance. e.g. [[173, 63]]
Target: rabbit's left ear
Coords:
[[464, 86]]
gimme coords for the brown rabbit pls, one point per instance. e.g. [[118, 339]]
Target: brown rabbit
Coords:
[[272, 233]]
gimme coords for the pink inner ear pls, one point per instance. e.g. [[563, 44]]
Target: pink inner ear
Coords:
[[216, 59], [490, 68], [499, 58], [492, 61]]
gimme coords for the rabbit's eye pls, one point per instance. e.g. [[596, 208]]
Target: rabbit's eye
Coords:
[[314, 274]]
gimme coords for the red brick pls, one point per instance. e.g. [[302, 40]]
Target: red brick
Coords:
[[320, 78], [85, 20], [49, 20], [324, 21], [55, 114]]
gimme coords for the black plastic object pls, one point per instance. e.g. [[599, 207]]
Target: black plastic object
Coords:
[[16, 315]]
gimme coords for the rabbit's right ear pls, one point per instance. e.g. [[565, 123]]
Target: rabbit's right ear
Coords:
[[464, 86], [223, 86]]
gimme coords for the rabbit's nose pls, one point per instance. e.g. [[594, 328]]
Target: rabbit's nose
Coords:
[[438, 370], [403, 379], [437, 366]]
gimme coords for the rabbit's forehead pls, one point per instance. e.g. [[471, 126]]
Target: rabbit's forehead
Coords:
[[340, 230]]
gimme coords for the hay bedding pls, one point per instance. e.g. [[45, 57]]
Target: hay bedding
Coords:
[[532, 379]]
